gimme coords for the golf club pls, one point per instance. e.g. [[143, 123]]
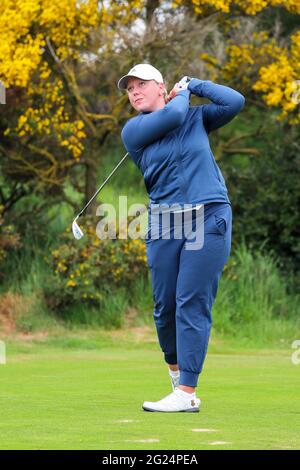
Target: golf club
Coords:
[[77, 232]]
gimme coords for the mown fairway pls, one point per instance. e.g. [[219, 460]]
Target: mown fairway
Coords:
[[87, 394]]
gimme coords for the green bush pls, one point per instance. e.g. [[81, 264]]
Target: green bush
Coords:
[[86, 271], [265, 193], [252, 291], [9, 239], [109, 314]]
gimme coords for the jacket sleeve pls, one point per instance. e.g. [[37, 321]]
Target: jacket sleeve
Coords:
[[226, 102], [146, 128]]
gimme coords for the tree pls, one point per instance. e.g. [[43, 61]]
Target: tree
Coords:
[[261, 61], [48, 127], [61, 61]]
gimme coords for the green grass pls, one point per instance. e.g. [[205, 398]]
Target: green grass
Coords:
[[85, 391]]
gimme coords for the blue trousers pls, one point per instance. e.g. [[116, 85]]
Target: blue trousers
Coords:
[[185, 284]]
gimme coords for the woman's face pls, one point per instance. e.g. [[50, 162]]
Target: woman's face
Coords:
[[145, 95]]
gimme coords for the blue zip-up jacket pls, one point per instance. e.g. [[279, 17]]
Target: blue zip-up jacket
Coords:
[[171, 146]]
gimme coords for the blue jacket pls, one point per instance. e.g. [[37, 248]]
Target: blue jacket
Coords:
[[171, 147]]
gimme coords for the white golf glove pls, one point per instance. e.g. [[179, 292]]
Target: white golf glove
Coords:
[[183, 84]]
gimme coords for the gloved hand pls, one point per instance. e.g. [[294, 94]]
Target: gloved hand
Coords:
[[183, 84]]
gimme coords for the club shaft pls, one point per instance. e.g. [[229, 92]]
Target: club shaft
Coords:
[[102, 185]]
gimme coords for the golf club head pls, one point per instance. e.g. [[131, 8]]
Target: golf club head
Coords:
[[77, 232]]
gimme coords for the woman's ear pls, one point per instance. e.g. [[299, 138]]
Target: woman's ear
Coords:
[[161, 87], [164, 92]]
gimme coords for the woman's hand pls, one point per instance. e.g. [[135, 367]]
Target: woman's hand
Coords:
[[181, 85], [174, 92]]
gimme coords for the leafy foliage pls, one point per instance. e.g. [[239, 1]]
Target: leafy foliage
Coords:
[[88, 270], [9, 238]]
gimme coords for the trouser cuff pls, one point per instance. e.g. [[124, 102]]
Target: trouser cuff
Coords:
[[188, 378], [171, 358]]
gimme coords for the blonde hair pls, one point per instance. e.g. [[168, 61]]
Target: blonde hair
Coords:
[[165, 93]]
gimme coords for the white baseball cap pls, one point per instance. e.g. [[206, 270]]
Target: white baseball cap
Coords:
[[144, 71]]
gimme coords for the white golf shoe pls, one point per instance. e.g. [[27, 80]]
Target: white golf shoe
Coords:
[[176, 401]]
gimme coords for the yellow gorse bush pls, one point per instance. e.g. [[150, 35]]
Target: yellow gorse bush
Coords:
[[251, 7], [278, 71], [260, 64], [27, 29], [30, 27], [280, 81], [67, 24]]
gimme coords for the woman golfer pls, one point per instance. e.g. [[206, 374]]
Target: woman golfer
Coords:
[[168, 141]]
